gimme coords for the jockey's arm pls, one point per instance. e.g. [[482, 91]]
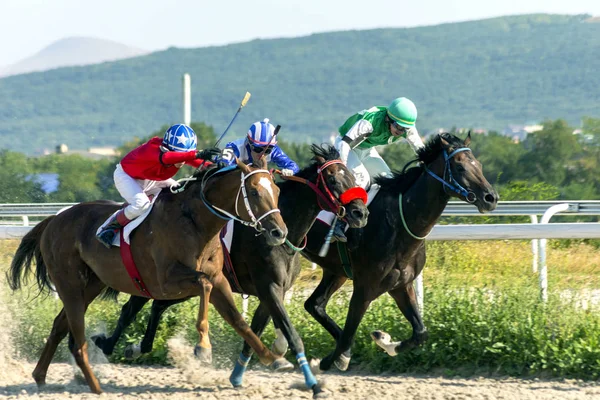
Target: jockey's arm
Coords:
[[355, 136], [283, 161], [413, 138], [230, 153], [175, 157]]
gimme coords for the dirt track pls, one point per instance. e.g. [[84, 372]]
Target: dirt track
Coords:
[[188, 381]]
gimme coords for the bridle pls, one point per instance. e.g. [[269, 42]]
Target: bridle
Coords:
[[219, 212], [448, 180]]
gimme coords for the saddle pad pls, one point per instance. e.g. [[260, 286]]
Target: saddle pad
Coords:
[[130, 226]]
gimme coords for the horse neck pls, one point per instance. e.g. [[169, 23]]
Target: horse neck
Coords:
[[299, 208], [425, 201], [221, 192]]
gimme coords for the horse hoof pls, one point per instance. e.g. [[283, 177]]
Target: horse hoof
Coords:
[[203, 354], [132, 351], [319, 393], [282, 365], [342, 363], [380, 335]]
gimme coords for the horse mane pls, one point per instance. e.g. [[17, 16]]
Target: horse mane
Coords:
[[326, 151], [400, 182]]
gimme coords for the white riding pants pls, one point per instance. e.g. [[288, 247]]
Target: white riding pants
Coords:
[[365, 164], [136, 191]]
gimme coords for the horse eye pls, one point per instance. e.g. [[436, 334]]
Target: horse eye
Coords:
[[460, 168], [254, 192]]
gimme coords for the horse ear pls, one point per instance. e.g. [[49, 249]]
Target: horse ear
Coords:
[[241, 165], [260, 163], [444, 142], [320, 160], [468, 139]]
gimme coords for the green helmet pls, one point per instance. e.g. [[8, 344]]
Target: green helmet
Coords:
[[403, 111]]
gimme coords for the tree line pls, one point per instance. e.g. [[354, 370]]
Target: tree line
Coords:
[[549, 164]]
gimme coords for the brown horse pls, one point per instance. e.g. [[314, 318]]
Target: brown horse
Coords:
[[176, 249]]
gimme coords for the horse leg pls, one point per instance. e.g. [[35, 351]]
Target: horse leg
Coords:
[[259, 322], [158, 308], [128, 314], [316, 306], [407, 302], [203, 349], [60, 328], [76, 301], [222, 298], [272, 296], [358, 306]]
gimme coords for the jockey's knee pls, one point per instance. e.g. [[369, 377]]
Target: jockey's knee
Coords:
[[136, 209]]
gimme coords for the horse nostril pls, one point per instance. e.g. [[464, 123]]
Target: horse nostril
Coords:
[[276, 233], [490, 198], [358, 214]]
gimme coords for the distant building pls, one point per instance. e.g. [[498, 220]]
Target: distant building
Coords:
[[518, 133], [95, 153]]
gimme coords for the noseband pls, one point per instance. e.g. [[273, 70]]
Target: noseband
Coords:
[[448, 180]]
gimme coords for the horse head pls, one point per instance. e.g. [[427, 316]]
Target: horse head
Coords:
[[338, 182], [463, 176], [258, 201]]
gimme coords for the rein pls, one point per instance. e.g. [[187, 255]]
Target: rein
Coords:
[[219, 212], [327, 201]]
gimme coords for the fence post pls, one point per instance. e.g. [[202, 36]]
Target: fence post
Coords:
[[418, 286], [535, 247], [25, 220], [543, 267]]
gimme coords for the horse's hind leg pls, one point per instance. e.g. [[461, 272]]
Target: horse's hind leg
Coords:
[[406, 300], [60, 328], [75, 302], [128, 314]]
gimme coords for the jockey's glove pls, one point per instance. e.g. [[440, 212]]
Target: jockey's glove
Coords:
[[287, 172], [211, 154]]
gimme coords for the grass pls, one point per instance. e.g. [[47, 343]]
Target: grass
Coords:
[[482, 310]]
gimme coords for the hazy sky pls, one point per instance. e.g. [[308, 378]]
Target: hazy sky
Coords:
[[27, 26]]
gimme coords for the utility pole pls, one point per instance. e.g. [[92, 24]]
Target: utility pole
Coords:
[[187, 99]]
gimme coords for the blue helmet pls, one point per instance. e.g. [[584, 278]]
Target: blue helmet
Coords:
[[180, 137], [261, 133]]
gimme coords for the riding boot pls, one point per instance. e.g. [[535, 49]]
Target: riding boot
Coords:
[[338, 231], [108, 233]]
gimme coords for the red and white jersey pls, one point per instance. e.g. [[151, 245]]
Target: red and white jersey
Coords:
[[149, 162]]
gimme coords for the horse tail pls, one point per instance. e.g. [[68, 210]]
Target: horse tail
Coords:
[[26, 252]]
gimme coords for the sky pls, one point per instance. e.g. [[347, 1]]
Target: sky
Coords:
[[27, 26]]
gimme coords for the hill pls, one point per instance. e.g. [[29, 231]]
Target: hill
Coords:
[[486, 73], [71, 52]]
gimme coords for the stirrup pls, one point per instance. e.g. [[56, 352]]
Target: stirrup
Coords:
[[106, 237]]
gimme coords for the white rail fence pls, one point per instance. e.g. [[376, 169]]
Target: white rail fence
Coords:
[[537, 232]]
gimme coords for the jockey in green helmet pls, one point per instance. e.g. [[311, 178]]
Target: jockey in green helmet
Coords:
[[377, 126]]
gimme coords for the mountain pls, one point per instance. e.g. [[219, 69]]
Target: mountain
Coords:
[[481, 74], [72, 51]]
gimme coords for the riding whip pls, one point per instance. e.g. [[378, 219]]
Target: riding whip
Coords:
[[242, 104]]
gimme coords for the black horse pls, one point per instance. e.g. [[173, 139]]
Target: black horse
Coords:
[[389, 253], [265, 271]]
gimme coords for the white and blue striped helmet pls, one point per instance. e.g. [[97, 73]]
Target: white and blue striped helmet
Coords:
[[261, 133], [180, 137]]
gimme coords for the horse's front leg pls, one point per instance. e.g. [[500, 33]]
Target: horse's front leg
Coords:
[[179, 279], [222, 298], [358, 307], [406, 300]]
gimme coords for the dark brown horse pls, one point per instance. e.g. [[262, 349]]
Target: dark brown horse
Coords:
[[176, 249], [265, 271], [389, 253]]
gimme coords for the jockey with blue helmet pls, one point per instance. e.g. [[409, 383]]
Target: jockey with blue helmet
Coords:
[[260, 138], [145, 170]]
